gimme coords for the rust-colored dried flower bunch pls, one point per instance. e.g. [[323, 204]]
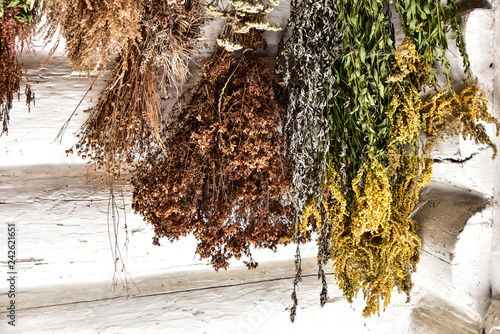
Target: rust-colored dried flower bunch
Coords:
[[222, 175], [93, 30], [172, 30], [16, 25]]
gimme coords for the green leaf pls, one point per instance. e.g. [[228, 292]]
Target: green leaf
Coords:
[[362, 54], [23, 19], [370, 99], [426, 9], [381, 89], [13, 3], [412, 26]]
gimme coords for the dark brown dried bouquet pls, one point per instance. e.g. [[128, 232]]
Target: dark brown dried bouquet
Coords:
[[222, 175], [17, 20]]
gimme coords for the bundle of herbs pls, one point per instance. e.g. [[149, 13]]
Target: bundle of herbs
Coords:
[[377, 161], [305, 60], [126, 122], [17, 22], [172, 30], [222, 175], [93, 30]]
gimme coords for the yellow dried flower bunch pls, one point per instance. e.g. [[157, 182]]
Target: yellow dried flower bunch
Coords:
[[371, 206], [405, 120], [449, 112], [333, 202], [407, 62], [409, 168], [409, 76], [310, 209]]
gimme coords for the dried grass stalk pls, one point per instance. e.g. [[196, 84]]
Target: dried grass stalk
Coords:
[[93, 30], [125, 123], [172, 32]]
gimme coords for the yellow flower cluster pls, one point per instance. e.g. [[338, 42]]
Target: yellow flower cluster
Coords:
[[372, 200], [309, 209], [407, 62], [410, 74], [449, 112], [333, 202], [405, 120]]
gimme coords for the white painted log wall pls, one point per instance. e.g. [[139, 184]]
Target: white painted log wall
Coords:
[[63, 234]]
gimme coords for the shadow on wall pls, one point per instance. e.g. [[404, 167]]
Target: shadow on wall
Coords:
[[453, 273]]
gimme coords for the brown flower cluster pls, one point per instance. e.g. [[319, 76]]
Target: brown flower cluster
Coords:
[[14, 36], [222, 175]]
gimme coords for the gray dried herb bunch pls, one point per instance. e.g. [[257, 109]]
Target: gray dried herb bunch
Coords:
[[305, 60], [306, 65], [172, 30], [93, 30]]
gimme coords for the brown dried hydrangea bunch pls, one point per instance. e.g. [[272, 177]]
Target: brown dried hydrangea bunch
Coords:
[[93, 30], [222, 175], [16, 28]]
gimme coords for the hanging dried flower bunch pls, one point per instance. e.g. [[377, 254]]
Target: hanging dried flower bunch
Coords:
[[16, 30], [93, 30], [240, 18], [307, 57], [171, 35], [125, 124], [377, 162], [222, 175], [372, 249], [307, 66]]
